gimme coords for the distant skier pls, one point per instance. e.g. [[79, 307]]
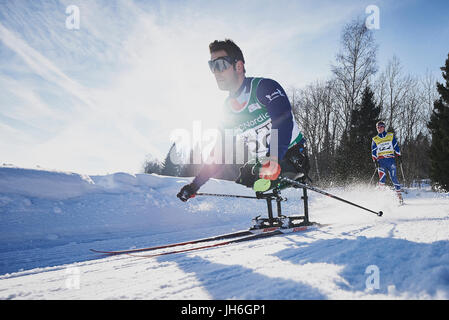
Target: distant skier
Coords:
[[254, 107], [384, 149]]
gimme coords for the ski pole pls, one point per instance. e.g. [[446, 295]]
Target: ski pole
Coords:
[[371, 180], [403, 178], [402, 171], [299, 184], [224, 195]]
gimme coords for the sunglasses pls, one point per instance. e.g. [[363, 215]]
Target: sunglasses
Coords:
[[221, 64]]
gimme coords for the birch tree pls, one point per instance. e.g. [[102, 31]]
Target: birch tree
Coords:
[[355, 64]]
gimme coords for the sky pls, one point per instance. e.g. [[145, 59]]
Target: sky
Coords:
[[103, 95]]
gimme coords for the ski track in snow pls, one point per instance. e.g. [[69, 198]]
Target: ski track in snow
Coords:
[[49, 221]]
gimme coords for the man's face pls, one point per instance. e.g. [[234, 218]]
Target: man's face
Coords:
[[380, 129], [227, 79]]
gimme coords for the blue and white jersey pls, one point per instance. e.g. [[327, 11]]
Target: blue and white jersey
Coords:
[[384, 145]]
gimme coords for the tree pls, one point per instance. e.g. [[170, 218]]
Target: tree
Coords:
[[430, 94], [415, 156], [398, 94], [313, 108], [354, 157], [439, 127], [356, 63], [363, 129], [340, 161], [172, 163], [152, 165]]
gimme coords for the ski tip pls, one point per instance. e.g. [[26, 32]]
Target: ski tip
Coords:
[[380, 213], [101, 252], [95, 251]]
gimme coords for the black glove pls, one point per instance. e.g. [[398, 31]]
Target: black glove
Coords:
[[248, 175], [398, 159], [187, 192]]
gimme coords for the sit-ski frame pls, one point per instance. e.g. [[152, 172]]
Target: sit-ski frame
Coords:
[[281, 220]]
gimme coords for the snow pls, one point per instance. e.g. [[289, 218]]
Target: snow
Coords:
[[49, 220]]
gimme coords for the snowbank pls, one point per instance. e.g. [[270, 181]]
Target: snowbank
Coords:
[[43, 184], [40, 208]]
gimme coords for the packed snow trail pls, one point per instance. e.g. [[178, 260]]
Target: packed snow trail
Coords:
[[49, 220]]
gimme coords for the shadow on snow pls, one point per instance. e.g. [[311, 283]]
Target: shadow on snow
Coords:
[[238, 282], [412, 268]]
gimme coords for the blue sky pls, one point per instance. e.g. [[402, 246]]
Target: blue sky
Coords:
[[100, 98]]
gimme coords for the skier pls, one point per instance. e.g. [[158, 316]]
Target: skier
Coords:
[[385, 149], [253, 109]]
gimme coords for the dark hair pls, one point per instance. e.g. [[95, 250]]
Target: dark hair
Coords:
[[231, 49]]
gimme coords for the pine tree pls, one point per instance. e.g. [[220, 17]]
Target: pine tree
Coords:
[[169, 167], [439, 127], [354, 153], [363, 129], [416, 158], [341, 166], [152, 165]]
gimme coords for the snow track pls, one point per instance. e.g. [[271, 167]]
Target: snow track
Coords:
[[46, 234]]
